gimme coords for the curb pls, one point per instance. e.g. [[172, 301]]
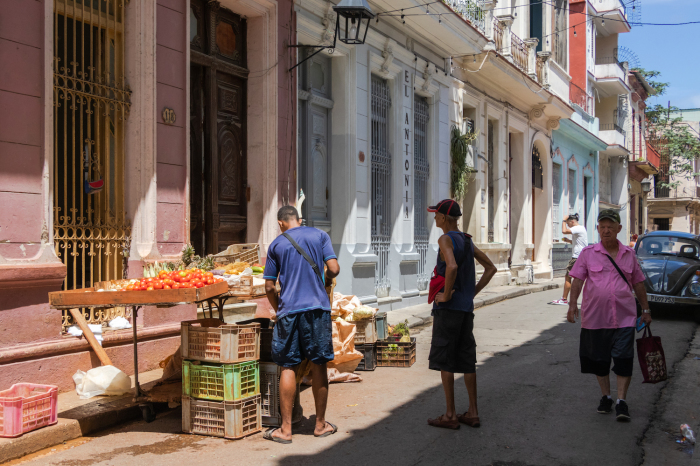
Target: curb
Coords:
[[425, 317], [72, 424]]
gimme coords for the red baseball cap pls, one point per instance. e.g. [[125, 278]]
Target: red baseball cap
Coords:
[[446, 207]]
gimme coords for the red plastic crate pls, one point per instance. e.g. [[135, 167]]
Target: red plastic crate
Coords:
[[27, 406]]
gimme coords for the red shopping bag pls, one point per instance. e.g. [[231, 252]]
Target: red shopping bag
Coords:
[[652, 360]]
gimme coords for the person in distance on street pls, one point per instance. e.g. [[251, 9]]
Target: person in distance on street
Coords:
[[304, 327], [608, 313], [579, 240], [452, 288]]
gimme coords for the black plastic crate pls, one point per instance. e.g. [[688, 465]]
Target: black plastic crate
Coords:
[[266, 327], [369, 357]]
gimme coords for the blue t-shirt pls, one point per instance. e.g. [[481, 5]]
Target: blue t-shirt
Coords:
[[301, 288]]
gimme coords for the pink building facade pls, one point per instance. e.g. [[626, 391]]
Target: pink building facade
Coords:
[[186, 111]]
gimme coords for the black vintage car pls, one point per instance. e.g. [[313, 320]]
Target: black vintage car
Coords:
[[670, 261]]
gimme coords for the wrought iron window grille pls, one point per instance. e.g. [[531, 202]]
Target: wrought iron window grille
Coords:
[[381, 183]]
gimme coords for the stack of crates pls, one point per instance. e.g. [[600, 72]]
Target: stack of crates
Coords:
[[221, 379], [368, 332], [383, 350]]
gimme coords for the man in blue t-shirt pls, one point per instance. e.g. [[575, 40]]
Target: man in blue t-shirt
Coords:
[[304, 327]]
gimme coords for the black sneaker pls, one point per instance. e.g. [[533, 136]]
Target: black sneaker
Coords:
[[605, 406], [622, 412]]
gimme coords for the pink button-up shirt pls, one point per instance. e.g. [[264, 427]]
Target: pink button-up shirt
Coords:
[[608, 302]]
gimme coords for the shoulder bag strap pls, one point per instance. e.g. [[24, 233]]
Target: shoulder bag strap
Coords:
[[306, 256], [619, 271]]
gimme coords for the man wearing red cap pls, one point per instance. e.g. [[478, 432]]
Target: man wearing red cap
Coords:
[[453, 287]]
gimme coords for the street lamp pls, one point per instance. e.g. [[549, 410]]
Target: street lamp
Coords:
[[646, 185], [356, 14]]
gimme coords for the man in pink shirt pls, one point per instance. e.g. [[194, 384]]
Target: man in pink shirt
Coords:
[[609, 311]]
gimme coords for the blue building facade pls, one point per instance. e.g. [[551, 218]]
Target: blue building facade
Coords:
[[575, 181]]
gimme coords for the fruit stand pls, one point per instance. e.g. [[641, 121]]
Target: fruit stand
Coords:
[[111, 295]]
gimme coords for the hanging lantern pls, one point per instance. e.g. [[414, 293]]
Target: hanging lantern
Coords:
[[646, 185], [354, 15]]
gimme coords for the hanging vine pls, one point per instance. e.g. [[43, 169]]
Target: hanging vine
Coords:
[[460, 172]]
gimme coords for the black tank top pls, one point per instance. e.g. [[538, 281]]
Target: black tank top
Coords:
[[465, 283]]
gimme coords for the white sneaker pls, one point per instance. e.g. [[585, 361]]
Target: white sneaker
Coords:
[[561, 302]]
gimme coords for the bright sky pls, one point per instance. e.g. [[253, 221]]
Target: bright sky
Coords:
[[673, 50]]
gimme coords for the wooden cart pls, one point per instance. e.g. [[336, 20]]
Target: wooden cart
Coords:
[[90, 298]]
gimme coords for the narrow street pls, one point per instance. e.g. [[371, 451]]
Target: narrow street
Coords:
[[536, 409]]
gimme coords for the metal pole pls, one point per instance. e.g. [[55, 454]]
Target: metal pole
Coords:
[[137, 388]]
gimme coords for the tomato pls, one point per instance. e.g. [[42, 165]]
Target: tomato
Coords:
[[166, 287], [175, 286], [129, 287], [150, 280], [158, 285], [210, 281], [168, 282], [175, 278], [150, 288], [199, 284], [209, 275]]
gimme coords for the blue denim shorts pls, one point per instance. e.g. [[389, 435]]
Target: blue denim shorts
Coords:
[[306, 335]]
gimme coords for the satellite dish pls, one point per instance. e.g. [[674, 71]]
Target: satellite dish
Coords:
[[625, 54]]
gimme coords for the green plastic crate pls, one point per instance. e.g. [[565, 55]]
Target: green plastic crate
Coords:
[[221, 382]]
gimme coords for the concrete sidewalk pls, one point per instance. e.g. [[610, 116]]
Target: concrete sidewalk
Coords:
[[79, 418], [420, 315]]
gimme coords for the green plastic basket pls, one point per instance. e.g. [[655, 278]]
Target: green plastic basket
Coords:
[[221, 382]]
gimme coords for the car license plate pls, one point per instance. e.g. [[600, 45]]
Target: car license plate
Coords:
[[662, 299]]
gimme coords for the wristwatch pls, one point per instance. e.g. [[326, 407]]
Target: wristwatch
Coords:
[[646, 311]]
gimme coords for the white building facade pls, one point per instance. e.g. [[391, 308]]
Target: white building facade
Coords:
[[374, 128]]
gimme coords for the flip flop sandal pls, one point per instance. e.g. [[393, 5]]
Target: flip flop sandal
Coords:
[[440, 422], [470, 421], [268, 436], [330, 432]]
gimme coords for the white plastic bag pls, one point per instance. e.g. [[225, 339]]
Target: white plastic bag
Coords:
[[103, 380], [96, 330], [119, 323]]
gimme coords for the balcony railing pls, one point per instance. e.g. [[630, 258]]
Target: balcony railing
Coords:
[[653, 156], [660, 192], [581, 98], [470, 11], [519, 51], [612, 127], [609, 61]]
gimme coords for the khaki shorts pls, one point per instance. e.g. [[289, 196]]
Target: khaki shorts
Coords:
[[571, 264]]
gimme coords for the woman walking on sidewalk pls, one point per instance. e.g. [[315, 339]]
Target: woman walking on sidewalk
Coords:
[[453, 287]]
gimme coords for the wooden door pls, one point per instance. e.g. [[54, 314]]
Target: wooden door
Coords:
[[198, 226], [229, 179], [218, 106]]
